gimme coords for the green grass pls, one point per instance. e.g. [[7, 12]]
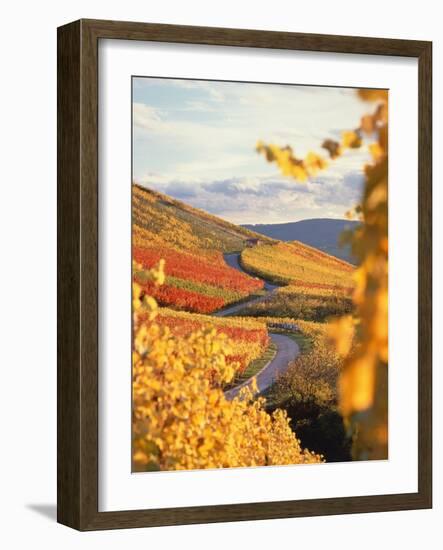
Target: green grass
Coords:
[[304, 342], [257, 365]]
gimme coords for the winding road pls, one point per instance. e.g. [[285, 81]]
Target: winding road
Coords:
[[233, 260], [287, 349]]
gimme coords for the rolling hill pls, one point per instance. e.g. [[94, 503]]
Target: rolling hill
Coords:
[[321, 233], [158, 217], [200, 282], [192, 243], [231, 305]]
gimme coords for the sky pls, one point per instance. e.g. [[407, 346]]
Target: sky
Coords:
[[195, 141]]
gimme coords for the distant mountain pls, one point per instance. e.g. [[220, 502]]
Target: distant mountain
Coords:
[[322, 233]]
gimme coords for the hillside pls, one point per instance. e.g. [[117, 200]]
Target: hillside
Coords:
[[193, 243], [297, 264], [322, 233], [158, 217], [205, 293], [315, 285]]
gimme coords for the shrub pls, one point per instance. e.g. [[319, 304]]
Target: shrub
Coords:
[[181, 418], [300, 306], [308, 392]]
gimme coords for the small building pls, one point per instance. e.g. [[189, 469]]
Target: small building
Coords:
[[252, 242]]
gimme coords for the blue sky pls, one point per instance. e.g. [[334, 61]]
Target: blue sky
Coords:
[[195, 140]]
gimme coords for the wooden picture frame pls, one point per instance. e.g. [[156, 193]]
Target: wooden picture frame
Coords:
[[78, 274]]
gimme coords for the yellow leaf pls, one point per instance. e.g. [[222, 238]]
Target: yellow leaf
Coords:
[[351, 139], [357, 384]]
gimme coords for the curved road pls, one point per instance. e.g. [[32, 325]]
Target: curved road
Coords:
[[233, 260], [287, 349]]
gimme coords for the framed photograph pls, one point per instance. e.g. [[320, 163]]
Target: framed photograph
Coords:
[[244, 274]]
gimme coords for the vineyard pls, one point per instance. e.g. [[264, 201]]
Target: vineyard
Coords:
[[315, 286], [198, 281], [249, 337], [308, 392], [157, 218], [186, 355], [307, 270], [192, 245], [182, 419]]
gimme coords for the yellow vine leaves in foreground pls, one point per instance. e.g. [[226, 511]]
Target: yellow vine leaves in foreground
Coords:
[[181, 418], [363, 381], [290, 165]]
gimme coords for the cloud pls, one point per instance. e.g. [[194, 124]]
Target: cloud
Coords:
[[212, 89], [198, 107], [146, 117], [258, 186], [181, 190], [213, 162], [198, 137], [265, 199], [195, 140]]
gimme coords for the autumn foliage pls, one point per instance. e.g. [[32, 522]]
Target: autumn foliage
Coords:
[[181, 418], [192, 244], [361, 339], [183, 358], [308, 391], [212, 271], [298, 264], [248, 337]]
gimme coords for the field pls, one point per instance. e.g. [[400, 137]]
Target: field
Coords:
[[290, 302], [157, 218], [194, 282], [235, 309], [306, 269], [249, 337], [192, 244], [199, 283]]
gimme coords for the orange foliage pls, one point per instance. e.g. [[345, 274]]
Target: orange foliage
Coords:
[[363, 383], [181, 418]]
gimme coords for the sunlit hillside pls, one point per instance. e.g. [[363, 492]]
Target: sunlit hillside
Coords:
[[228, 289], [192, 244], [159, 218], [322, 233], [300, 266], [314, 285]]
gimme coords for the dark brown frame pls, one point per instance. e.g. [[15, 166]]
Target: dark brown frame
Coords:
[[77, 456]]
